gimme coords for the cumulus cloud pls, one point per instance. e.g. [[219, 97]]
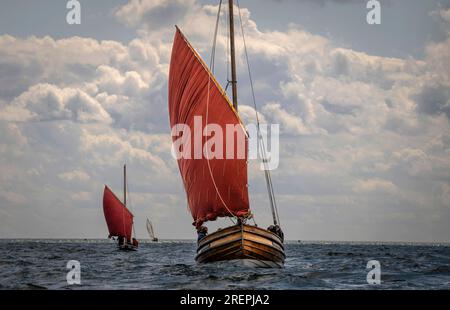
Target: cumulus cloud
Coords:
[[33, 60], [248, 115], [415, 161], [375, 185], [77, 175], [154, 13], [434, 99], [356, 129], [56, 97], [445, 14], [290, 123], [126, 80], [112, 81], [46, 102]]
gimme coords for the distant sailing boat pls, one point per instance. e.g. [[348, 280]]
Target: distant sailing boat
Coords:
[[118, 218], [150, 230], [218, 187]]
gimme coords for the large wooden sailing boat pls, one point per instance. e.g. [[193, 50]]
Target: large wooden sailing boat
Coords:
[[217, 187], [118, 218]]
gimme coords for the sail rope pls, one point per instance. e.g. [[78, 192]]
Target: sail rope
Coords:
[[211, 65], [269, 184]]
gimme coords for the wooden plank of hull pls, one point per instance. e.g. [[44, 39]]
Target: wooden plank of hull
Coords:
[[264, 233], [259, 247], [231, 250], [219, 235]]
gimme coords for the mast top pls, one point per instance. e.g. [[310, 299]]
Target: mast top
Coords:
[[232, 55], [125, 185]]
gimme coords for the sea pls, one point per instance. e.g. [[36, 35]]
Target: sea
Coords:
[[170, 264]]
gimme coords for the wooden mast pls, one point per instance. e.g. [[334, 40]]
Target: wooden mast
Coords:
[[235, 103], [232, 55], [125, 185], [125, 195]]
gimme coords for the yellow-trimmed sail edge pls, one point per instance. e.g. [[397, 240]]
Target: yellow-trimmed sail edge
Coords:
[[211, 75]]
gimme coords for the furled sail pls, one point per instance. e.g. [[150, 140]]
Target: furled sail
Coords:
[[118, 218], [215, 187], [150, 229]]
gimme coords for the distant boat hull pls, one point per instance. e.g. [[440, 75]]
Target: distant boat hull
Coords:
[[251, 245], [127, 247]]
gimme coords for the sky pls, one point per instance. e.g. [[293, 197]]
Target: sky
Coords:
[[363, 111]]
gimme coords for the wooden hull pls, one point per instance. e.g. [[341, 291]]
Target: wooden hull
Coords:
[[251, 245]]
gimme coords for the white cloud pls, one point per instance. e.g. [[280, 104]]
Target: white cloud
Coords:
[[113, 82], [153, 12], [290, 123], [248, 115], [357, 128], [445, 15], [416, 160], [13, 197], [77, 175], [81, 196], [46, 102], [375, 185]]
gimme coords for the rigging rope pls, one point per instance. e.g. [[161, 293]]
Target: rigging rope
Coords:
[[262, 146]]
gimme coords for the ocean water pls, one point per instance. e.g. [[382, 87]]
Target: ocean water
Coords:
[[41, 264]]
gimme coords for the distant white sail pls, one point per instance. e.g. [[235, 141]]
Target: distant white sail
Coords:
[[150, 229]]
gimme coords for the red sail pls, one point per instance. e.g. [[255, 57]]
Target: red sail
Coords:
[[215, 187], [118, 217]]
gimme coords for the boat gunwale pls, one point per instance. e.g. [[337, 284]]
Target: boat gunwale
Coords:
[[237, 229], [216, 235], [260, 232]]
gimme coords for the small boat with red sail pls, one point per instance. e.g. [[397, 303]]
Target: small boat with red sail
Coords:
[[119, 218], [218, 186]]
